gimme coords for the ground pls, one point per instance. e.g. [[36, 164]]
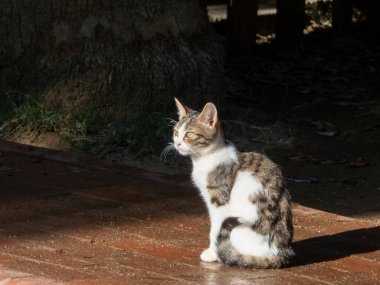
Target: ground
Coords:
[[321, 107], [71, 219], [314, 109]]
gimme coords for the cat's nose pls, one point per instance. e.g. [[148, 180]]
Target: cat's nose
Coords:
[[177, 144]]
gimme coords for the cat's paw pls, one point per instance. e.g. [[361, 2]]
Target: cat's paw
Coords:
[[209, 255]]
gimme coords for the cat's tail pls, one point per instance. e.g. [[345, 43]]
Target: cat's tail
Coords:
[[229, 255]]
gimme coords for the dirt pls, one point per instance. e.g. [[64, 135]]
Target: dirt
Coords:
[[40, 139]]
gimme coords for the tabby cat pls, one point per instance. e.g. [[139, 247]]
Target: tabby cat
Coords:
[[248, 203]]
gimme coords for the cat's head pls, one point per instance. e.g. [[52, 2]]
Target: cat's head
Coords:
[[196, 133]]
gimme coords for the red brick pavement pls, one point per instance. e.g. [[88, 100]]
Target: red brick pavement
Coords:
[[70, 219]]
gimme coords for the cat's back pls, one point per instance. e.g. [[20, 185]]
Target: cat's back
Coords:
[[263, 168]]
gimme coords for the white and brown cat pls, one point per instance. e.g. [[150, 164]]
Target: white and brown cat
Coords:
[[248, 203]]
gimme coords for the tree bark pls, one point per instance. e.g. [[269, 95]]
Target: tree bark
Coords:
[[342, 16], [374, 16], [242, 19], [290, 21], [119, 54]]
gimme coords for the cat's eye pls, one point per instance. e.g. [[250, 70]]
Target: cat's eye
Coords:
[[175, 133], [189, 135]]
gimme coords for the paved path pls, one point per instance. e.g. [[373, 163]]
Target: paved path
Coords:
[[67, 219]]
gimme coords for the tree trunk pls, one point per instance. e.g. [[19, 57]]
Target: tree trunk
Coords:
[[242, 19], [123, 55], [290, 21], [342, 16], [374, 16]]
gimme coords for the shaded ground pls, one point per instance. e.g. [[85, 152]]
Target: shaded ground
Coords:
[[321, 106], [70, 219]]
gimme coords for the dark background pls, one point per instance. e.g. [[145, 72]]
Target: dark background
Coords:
[[298, 81]]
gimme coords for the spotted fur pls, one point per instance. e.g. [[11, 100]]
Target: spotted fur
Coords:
[[220, 182], [248, 202]]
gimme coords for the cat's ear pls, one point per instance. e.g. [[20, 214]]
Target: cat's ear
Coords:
[[182, 109], [209, 116]]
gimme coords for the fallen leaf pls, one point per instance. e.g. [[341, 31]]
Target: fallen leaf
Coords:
[[301, 157], [5, 168], [360, 162], [337, 78], [322, 125], [343, 161], [327, 133], [349, 182], [302, 180]]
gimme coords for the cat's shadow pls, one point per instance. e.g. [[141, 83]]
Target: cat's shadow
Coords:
[[336, 246]]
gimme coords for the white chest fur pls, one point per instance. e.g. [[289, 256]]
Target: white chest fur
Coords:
[[204, 165], [246, 186]]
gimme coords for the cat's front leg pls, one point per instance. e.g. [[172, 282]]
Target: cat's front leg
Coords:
[[210, 254]]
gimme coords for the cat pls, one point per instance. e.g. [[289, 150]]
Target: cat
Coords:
[[248, 203]]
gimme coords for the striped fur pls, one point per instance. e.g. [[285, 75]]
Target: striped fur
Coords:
[[230, 256], [248, 202]]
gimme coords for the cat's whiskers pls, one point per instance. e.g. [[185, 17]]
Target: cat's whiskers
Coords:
[[166, 151], [171, 122]]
